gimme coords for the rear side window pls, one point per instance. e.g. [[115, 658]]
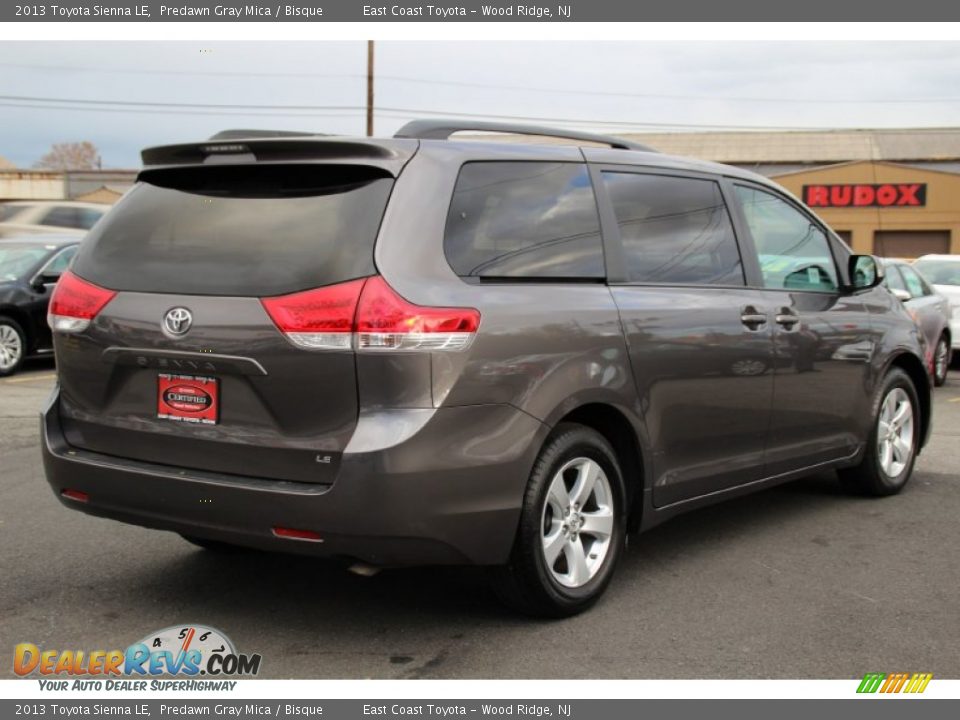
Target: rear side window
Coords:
[[674, 230], [239, 230], [524, 220]]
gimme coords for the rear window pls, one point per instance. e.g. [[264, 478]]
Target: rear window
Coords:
[[524, 220], [239, 230]]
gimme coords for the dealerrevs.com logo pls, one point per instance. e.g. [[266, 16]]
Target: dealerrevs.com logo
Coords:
[[178, 651]]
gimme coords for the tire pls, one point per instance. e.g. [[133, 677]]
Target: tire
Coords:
[[13, 346], [875, 476], [941, 361], [213, 545], [566, 586]]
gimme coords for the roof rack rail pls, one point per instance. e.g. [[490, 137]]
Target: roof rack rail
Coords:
[[239, 134], [443, 129]]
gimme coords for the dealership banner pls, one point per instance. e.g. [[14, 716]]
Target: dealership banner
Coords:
[[866, 195], [434, 709], [476, 11]]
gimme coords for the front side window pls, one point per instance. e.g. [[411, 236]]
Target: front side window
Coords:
[[794, 252], [674, 230], [524, 220]]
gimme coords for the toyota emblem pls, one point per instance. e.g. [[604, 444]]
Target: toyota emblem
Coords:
[[177, 321]]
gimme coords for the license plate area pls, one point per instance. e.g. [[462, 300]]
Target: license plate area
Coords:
[[188, 398]]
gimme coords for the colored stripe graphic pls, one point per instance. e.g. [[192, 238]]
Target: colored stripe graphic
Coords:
[[894, 682]]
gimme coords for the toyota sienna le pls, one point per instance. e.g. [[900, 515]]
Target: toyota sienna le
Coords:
[[420, 350]]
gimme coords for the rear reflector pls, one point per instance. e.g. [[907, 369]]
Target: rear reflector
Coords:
[[75, 495], [75, 303], [368, 314], [291, 534]]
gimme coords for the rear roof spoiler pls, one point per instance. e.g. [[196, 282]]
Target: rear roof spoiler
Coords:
[[443, 129], [245, 147]]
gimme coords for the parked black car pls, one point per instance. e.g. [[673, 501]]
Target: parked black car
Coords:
[[29, 268], [420, 350]]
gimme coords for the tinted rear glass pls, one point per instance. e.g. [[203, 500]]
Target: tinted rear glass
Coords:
[[238, 230], [524, 220], [674, 230]]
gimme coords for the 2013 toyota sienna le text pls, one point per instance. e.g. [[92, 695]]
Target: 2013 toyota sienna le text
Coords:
[[421, 350]]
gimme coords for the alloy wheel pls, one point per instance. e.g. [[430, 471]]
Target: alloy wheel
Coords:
[[11, 347], [895, 432], [577, 522]]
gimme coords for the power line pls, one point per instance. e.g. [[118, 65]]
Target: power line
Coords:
[[659, 96], [305, 110], [492, 86], [196, 73]]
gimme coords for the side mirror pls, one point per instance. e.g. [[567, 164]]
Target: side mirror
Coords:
[[864, 272], [901, 295], [41, 280]]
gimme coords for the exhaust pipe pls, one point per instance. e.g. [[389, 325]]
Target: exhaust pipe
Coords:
[[363, 570]]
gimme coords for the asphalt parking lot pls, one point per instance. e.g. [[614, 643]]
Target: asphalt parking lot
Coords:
[[796, 582]]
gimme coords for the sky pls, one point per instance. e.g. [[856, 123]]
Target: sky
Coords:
[[127, 96]]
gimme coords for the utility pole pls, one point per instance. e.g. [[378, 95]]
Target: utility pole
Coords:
[[369, 88]]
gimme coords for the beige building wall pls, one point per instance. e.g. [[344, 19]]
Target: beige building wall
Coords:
[[941, 212]]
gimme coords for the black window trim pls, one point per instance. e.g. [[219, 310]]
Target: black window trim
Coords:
[[617, 274], [520, 280], [894, 269], [803, 210]]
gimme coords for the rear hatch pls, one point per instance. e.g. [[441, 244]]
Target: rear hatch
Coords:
[[185, 363]]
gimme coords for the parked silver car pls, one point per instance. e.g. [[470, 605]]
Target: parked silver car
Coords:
[[943, 272], [59, 217], [930, 309]]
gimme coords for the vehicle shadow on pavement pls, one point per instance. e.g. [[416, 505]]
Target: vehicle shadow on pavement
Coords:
[[263, 585]]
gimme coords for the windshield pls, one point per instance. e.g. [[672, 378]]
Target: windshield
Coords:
[[940, 272], [16, 260]]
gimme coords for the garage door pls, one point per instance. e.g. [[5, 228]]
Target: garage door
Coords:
[[910, 243]]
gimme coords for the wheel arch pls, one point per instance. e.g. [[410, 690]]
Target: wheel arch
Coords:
[[15, 313], [615, 426], [913, 367]]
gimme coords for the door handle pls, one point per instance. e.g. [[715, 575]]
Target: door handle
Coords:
[[752, 318], [787, 319]]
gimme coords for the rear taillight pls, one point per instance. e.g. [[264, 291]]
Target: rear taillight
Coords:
[[75, 303], [385, 321], [318, 319], [368, 314]]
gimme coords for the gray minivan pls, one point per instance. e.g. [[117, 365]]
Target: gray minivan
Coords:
[[420, 350]]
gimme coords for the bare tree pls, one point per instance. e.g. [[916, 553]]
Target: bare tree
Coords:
[[71, 156]]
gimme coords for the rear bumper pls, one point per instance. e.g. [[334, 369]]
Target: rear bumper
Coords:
[[449, 494], [955, 330]]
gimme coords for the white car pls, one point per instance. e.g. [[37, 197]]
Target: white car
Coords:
[[60, 217], [943, 272]]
